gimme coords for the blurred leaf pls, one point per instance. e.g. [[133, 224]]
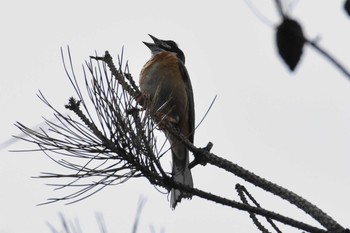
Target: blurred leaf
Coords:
[[347, 7], [290, 42]]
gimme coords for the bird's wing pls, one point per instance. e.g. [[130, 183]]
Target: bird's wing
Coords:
[[189, 91]]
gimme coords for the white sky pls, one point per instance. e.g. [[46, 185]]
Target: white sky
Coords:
[[293, 129]]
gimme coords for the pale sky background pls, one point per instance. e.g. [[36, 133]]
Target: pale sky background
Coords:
[[290, 128]]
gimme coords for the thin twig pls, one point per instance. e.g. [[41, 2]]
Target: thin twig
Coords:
[[243, 192], [329, 57], [280, 8]]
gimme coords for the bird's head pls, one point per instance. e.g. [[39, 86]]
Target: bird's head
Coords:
[[165, 45]]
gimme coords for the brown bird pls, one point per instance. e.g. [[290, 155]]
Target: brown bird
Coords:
[[165, 82]]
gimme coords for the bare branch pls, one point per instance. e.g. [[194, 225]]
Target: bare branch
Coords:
[[327, 55], [280, 8]]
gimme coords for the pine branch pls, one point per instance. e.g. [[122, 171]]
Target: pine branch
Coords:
[[117, 142]]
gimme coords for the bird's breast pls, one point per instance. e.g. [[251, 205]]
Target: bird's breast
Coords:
[[161, 72], [161, 80]]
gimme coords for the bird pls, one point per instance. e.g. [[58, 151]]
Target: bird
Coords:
[[165, 83]]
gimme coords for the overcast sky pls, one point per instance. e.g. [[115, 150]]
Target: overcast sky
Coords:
[[290, 128]]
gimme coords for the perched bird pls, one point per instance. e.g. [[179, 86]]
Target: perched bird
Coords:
[[165, 83]]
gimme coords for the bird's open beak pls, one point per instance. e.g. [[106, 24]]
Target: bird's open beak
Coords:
[[155, 40], [149, 45], [152, 46]]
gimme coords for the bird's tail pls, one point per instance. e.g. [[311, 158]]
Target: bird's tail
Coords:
[[181, 173]]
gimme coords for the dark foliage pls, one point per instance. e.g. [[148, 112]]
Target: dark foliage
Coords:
[[347, 6], [290, 42]]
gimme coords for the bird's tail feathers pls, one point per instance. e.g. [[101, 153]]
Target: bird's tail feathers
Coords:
[[181, 174]]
